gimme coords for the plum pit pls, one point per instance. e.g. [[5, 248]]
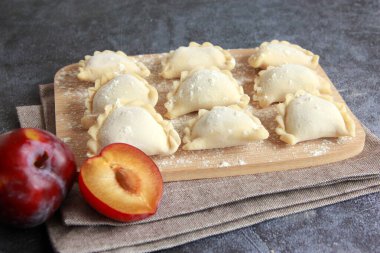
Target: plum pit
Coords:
[[127, 179]]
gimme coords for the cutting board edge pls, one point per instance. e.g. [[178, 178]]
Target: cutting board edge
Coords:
[[303, 163]]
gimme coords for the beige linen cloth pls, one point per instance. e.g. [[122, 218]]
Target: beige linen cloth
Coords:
[[191, 210]]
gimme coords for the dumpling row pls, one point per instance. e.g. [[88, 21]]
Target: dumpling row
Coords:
[[120, 106], [205, 79], [290, 77], [206, 85], [115, 76]]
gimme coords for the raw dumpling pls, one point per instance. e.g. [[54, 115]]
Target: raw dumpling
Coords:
[[222, 127], [272, 84], [204, 89], [276, 53], [127, 87], [108, 64], [306, 117], [136, 124], [194, 56]]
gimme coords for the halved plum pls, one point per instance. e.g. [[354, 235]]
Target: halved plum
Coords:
[[122, 183]]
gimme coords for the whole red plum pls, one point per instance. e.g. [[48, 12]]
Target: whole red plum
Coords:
[[36, 172]]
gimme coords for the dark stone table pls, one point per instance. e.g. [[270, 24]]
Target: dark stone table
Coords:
[[39, 37]]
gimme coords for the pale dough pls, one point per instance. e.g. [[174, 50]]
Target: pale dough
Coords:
[[126, 87], [306, 117], [276, 53], [271, 85], [108, 64], [222, 127], [136, 124], [195, 56], [204, 89]]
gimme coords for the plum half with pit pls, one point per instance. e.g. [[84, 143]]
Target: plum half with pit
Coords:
[[36, 172], [122, 183]]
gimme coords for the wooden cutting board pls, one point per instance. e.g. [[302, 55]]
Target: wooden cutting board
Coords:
[[258, 157]]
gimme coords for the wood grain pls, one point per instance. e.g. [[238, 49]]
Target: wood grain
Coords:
[[258, 157]]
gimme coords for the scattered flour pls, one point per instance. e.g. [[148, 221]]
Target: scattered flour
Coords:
[[344, 140], [322, 149], [206, 163], [242, 162], [224, 164]]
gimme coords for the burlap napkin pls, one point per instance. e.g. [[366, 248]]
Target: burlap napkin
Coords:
[[196, 209]]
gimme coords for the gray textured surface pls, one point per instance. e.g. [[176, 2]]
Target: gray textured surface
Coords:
[[39, 37]]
